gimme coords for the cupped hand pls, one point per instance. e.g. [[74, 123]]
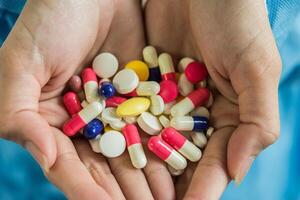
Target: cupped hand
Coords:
[[51, 41], [235, 41]]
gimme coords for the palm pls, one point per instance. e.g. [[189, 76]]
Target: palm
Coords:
[[223, 35]]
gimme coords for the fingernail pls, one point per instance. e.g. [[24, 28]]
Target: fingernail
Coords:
[[38, 156], [243, 170]]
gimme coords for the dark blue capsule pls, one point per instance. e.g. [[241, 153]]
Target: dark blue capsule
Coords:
[[154, 74], [200, 123], [107, 89], [92, 129]]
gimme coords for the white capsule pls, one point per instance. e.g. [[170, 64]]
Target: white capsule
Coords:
[[210, 132], [199, 139], [185, 87], [125, 81], [157, 105], [182, 107], [150, 56], [166, 67], [112, 144], [95, 144], [188, 123], [149, 123], [200, 111], [165, 122], [91, 111], [183, 63], [168, 106], [174, 172]]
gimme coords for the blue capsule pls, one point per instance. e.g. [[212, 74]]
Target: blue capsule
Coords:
[[107, 90], [200, 123], [92, 129]]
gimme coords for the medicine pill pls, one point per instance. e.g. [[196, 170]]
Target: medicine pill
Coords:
[[185, 87], [106, 89], [200, 111], [183, 63], [150, 57], [168, 90], [188, 123], [210, 132], [166, 67], [140, 68], [174, 172], [199, 139], [105, 65], [112, 144], [75, 84], [72, 103], [157, 105], [196, 72], [165, 122], [145, 88], [109, 115], [133, 107], [114, 101], [90, 85], [93, 129], [149, 123], [125, 81]]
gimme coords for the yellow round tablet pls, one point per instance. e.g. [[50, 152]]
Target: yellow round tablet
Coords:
[[140, 68], [133, 107]]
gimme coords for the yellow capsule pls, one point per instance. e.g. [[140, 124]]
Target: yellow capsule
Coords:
[[140, 68], [133, 107]]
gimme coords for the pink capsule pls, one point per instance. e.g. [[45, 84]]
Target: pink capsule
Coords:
[[72, 103], [181, 144], [90, 85], [114, 101], [165, 152], [134, 146], [195, 72], [79, 120], [194, 99], [166, 67], [168, 91]]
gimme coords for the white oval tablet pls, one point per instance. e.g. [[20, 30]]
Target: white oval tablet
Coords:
[[112, 144], [157, 105], [149, 123], [95, 144], [117, 125], [105, 65], [165, 122], [109, 115], [125, 81], [200, 111]]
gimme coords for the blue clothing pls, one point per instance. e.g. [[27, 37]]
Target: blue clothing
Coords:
[[275, 174]]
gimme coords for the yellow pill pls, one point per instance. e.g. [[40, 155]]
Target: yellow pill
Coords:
[[133, 107], [107, 128], [140, 68]]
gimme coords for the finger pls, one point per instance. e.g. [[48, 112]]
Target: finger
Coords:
[[183, 181], [69, 173], [210, 178], [98, 168], [132, 181]]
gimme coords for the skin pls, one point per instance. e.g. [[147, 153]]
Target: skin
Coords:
[[49, 43], [235, 41]]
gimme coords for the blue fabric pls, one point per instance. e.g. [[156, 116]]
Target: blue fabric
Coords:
[[275, 174]]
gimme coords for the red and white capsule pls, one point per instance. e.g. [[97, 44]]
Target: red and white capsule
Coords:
[[134, 146], [194, 99], [72, 103], [79, 120], [90, 85], [145, 88], [167, 153], [196, 72], [166, 67], [181, 144], [114, 101]]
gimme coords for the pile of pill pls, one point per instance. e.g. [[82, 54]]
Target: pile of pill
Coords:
[[144, 97]]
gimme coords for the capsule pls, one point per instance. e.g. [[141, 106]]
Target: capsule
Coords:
[[196, 72], [199, 139], [114, 101], [75, 83], [167, 153], [168, 90], [150, 57], [134, 146], [90, 85], [181, 144], [183, 63], [166, 67], [79, 120], [188, 123], [93, 129], [106, 89], [185, 87], [193, 100], [145, 88], [72, 103]]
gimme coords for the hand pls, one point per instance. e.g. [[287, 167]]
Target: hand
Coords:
[[236, 43], [51, 41]]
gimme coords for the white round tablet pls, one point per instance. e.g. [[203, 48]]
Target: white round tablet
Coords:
[[112, 144], [118, 125], [157, 105], [109, 115], [125, 81], [149, 123], [105, 65], [165, 122]]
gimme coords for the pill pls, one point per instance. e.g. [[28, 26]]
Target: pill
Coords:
[[114, 101], [140, 68], [125, 81], [112, 144], [168, 106], [181, 144], [134, 146], [196, 72], [79, 120], [90, 85], [167, 153], [130, 119], [168, 90], [93, 128], [75, 83], [150, 57], [157, 105], [166, 67], [118, 125], [183, 63], [200, 111], [109, 115], [72, 103], [210, 132], [174, 172], [106, 89], [199, 139], [188, 123], [149, 123], [105, 65], [133, 107], [194, 99], [185, 87], [94, 143], [108, 128], [165, 122], [145, 88]]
